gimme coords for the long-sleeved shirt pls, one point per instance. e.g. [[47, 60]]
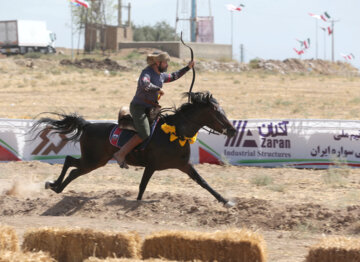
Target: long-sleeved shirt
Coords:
[[150, 83]]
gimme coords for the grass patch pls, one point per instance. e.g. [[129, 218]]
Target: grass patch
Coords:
[[33, 55], [134, 55], [303, 229], [336, 174], [277, 188], [261, 180], [280, 102]]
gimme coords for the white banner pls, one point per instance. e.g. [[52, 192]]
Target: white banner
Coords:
[[274, 143], [267, 143]]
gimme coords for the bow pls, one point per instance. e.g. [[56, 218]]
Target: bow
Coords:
[[193, 69]]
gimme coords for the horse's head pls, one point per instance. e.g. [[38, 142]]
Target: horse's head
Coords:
[[213, 116]]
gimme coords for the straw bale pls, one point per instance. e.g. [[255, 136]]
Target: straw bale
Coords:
[[17, 256], [8, 238], [73, 245], [335, 249], [230, 245], [94, 259]]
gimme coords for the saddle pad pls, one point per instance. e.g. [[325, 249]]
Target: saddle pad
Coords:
[[118, 137]]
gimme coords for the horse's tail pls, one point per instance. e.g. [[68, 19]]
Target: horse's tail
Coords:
[[67, 124]]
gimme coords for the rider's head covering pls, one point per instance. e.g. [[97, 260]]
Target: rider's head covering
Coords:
[[157, 57]]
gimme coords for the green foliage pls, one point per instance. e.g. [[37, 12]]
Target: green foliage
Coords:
[[94, 14], [254, 63], [133, 55], [261, 180], [335, 175], [33, 55], [161, 31]]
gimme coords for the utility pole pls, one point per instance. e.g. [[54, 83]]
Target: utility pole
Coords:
[[316, 50], [193, 21], [232, 29], [332, 39], [119, 13], [242, 53]]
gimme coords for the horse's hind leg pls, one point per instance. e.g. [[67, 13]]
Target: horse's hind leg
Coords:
[[69, 162], [190, 170], [73, 174]]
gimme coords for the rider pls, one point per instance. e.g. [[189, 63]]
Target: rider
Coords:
[[148, 92]]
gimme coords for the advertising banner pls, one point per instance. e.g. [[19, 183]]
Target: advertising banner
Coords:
[[276, 143], [265, 143], [205, 29]]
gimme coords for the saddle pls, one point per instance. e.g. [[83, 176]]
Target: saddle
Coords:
[[126, 129], [125, 120]]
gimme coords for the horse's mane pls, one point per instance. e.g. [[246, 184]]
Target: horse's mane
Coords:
[[200, 98]]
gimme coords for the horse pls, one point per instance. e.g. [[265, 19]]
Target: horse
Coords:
[[160, 153]]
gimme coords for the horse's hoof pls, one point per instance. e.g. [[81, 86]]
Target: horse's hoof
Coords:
[[229, 204], [124, 165], [48, 184]]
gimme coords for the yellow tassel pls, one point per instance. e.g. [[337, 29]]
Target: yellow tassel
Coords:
[[192, 140], [182, 142], [166, 128], [171, 129], [173, 137]]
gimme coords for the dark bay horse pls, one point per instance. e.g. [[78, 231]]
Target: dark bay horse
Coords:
[[159, 154]]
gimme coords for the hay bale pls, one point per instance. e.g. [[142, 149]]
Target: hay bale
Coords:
[[8, 238], [75, 245], [94, 259], [335, 249], [17, 256], [231, 245]]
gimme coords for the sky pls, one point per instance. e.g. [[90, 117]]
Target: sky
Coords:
[[267, 29]]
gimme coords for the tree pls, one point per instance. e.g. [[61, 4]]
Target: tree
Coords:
[[99, 12], [161, 31]]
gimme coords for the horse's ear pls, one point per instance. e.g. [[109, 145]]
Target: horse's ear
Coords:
[[187, 95]]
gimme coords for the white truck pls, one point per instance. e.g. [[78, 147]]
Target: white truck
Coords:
[[23, 36]]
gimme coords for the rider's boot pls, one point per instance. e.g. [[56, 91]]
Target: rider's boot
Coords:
[[125, 149]]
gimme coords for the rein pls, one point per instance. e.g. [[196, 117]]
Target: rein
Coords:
[[193, 69]]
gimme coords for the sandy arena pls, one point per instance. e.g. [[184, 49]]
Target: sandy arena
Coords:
[[291, 208]]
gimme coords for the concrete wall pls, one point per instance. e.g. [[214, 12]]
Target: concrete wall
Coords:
[[107, 37], [177, 49]]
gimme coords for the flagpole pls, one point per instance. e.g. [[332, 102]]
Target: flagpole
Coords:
[[316, 51], [325, 44], [232, 32], [72, 35]]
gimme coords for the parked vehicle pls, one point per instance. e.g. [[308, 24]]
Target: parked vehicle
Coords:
[[23, 36]]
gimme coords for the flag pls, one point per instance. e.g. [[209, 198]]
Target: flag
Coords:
[[315, 16], [299, 52], [348, 56], [325, 16], [231, 7], [329, 30], [83, 3], [305, 43]]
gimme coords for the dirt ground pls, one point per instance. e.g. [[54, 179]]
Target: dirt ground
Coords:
[[291, 208]]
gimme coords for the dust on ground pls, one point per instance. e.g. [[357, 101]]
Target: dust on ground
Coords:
[[291, 211]]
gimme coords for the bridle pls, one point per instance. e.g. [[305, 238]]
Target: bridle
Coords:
[[209, 130]]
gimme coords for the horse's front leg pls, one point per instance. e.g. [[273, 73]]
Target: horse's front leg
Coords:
[[148, 172], [190, 170], [69, 162]]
